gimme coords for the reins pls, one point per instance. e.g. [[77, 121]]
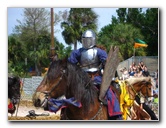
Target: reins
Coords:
[[135, 92]]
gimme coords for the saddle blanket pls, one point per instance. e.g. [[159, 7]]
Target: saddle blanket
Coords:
[[113, 104]]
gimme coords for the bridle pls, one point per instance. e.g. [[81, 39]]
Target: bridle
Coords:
[[137, 93], [47, 93]]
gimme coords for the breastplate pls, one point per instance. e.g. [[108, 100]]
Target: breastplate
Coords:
[[89, 60]]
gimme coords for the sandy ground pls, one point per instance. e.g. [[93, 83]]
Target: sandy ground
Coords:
[[23, 110], [25, 106]]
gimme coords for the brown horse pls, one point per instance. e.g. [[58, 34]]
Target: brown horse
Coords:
[[132, 87], [64, 78]]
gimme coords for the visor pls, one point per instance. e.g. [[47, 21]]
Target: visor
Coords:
[[88, 42]]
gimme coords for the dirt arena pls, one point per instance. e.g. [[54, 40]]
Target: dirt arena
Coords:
[[22, 113], [25, 106]]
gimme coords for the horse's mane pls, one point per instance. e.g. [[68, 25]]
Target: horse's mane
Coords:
[[134, 80], [79, 83], [54, 69], [12, 80]]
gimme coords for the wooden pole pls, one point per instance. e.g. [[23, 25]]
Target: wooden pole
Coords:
[[52, 33], [134, 52]]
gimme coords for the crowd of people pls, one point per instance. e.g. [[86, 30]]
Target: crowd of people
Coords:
[[135, 71], [139, 70]]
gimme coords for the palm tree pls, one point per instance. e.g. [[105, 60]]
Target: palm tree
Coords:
[[78, 20]]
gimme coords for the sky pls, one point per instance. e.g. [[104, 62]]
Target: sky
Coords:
[[104, 18], [5, 4]]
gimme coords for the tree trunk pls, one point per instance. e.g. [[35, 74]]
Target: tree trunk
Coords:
[[75, 45]]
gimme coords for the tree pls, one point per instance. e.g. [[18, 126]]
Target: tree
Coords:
[[34, 32], [150, 30], [146, 21], [121, 35], [36, 23], [78, 20], [16, 56]]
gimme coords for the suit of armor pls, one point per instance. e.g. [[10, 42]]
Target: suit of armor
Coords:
[[89, 60], [89, 63], [89, 56]]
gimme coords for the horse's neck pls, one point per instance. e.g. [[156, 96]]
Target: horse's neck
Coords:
[[133, 91]]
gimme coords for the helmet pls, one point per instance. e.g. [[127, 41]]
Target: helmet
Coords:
[[88, 39]]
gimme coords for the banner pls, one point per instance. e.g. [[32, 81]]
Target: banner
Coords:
[[139, 43]]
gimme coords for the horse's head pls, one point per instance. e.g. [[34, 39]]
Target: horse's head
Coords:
[[147, 87], [142, 84], [53, 84], [14, 89]]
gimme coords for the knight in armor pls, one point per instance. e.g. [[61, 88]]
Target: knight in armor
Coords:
[[90, 57]]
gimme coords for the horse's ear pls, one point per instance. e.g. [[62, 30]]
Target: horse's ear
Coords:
[[56, 58]]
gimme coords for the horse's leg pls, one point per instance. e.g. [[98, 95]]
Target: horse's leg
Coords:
[[62, 114]]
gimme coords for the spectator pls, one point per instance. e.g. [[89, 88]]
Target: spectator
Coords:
[[145, 71], [142, 65], [156, 78], [125, 73], [138, 73], [133, 66], [132, 72]]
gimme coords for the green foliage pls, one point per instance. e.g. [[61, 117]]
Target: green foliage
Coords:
[[62, 51], [121, 35], [78, 20], [32, 40], [129, 24], [150, 30]]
